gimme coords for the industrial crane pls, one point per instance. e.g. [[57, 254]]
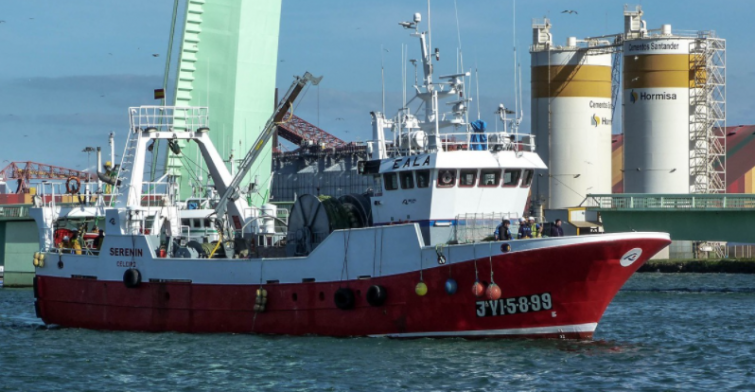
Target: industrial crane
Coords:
[[24, 172]]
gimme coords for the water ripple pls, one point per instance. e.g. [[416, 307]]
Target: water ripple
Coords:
[[674, 332]]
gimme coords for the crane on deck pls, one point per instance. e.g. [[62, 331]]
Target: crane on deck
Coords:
[[233, 192]]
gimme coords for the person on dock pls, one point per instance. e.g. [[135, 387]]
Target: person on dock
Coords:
[[502, 232], [525, 231], [556, 229]]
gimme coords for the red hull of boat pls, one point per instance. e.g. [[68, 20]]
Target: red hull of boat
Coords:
[[581, 280]]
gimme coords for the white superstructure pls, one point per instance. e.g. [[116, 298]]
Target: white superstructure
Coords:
[[571, 117], [436, 169]]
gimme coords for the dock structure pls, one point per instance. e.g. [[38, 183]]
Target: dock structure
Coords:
[[692, 217]]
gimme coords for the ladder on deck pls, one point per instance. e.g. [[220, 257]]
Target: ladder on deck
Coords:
[[127, 160]]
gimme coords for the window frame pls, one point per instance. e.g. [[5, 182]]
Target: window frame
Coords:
[[526, 182], [452, 183], [428, 179], [474, 180], [498, 178], [518, 179], [406, 174], [386, 182]]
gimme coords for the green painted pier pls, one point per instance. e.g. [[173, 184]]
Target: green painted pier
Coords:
[[689, 217], [18, 242]]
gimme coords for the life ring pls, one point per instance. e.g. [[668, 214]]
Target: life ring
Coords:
[[446, 177], [344, 298], [376, 295], [132, 278], [70, 189]]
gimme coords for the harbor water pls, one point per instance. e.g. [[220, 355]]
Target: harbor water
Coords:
[[662, 332]]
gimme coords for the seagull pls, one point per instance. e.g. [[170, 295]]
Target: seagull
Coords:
[[569, 12], [339, 118], [155, 55]]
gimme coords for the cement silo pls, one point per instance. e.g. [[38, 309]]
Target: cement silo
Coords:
[[571, 118], [670, 111]]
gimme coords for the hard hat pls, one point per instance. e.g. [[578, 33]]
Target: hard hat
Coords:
[[65, 238], [108, 164], [522, 220], [532, 219]]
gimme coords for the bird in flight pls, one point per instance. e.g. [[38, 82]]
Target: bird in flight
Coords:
[[2, 21], [569, 12], [155, 55], [339, 118]]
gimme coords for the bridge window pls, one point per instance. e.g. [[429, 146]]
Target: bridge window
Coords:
[[490, 177], [446, 178], [391, 181], [377, 185], [423, 178], [528, 174], [407, 180], [468, 177], [511, 177]]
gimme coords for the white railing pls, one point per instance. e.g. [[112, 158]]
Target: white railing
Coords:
[[475, 227], [165, 118], [473, 141], [157, 193]]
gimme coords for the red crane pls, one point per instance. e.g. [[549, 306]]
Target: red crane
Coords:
[[296, 131], [23, 172]]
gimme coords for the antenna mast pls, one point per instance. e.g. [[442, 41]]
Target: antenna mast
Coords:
[[513, 31]]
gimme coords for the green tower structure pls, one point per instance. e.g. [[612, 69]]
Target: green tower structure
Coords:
[[227, 62]]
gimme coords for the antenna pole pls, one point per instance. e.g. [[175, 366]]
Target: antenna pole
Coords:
[[429, 29], [513, 30], [382, 80], [477, 82]]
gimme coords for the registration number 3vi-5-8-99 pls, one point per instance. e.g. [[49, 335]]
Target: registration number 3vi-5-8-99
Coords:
[[524, 304]]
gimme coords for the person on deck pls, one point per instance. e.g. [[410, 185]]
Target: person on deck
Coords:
[[65, 244], [556, 229], [535, 228], [502, 232], [75, 244], [524, 229], [97, 243]]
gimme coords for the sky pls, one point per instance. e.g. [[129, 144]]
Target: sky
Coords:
[[70, 69]]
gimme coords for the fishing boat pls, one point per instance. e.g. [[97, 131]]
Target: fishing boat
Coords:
[[393, 262]]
